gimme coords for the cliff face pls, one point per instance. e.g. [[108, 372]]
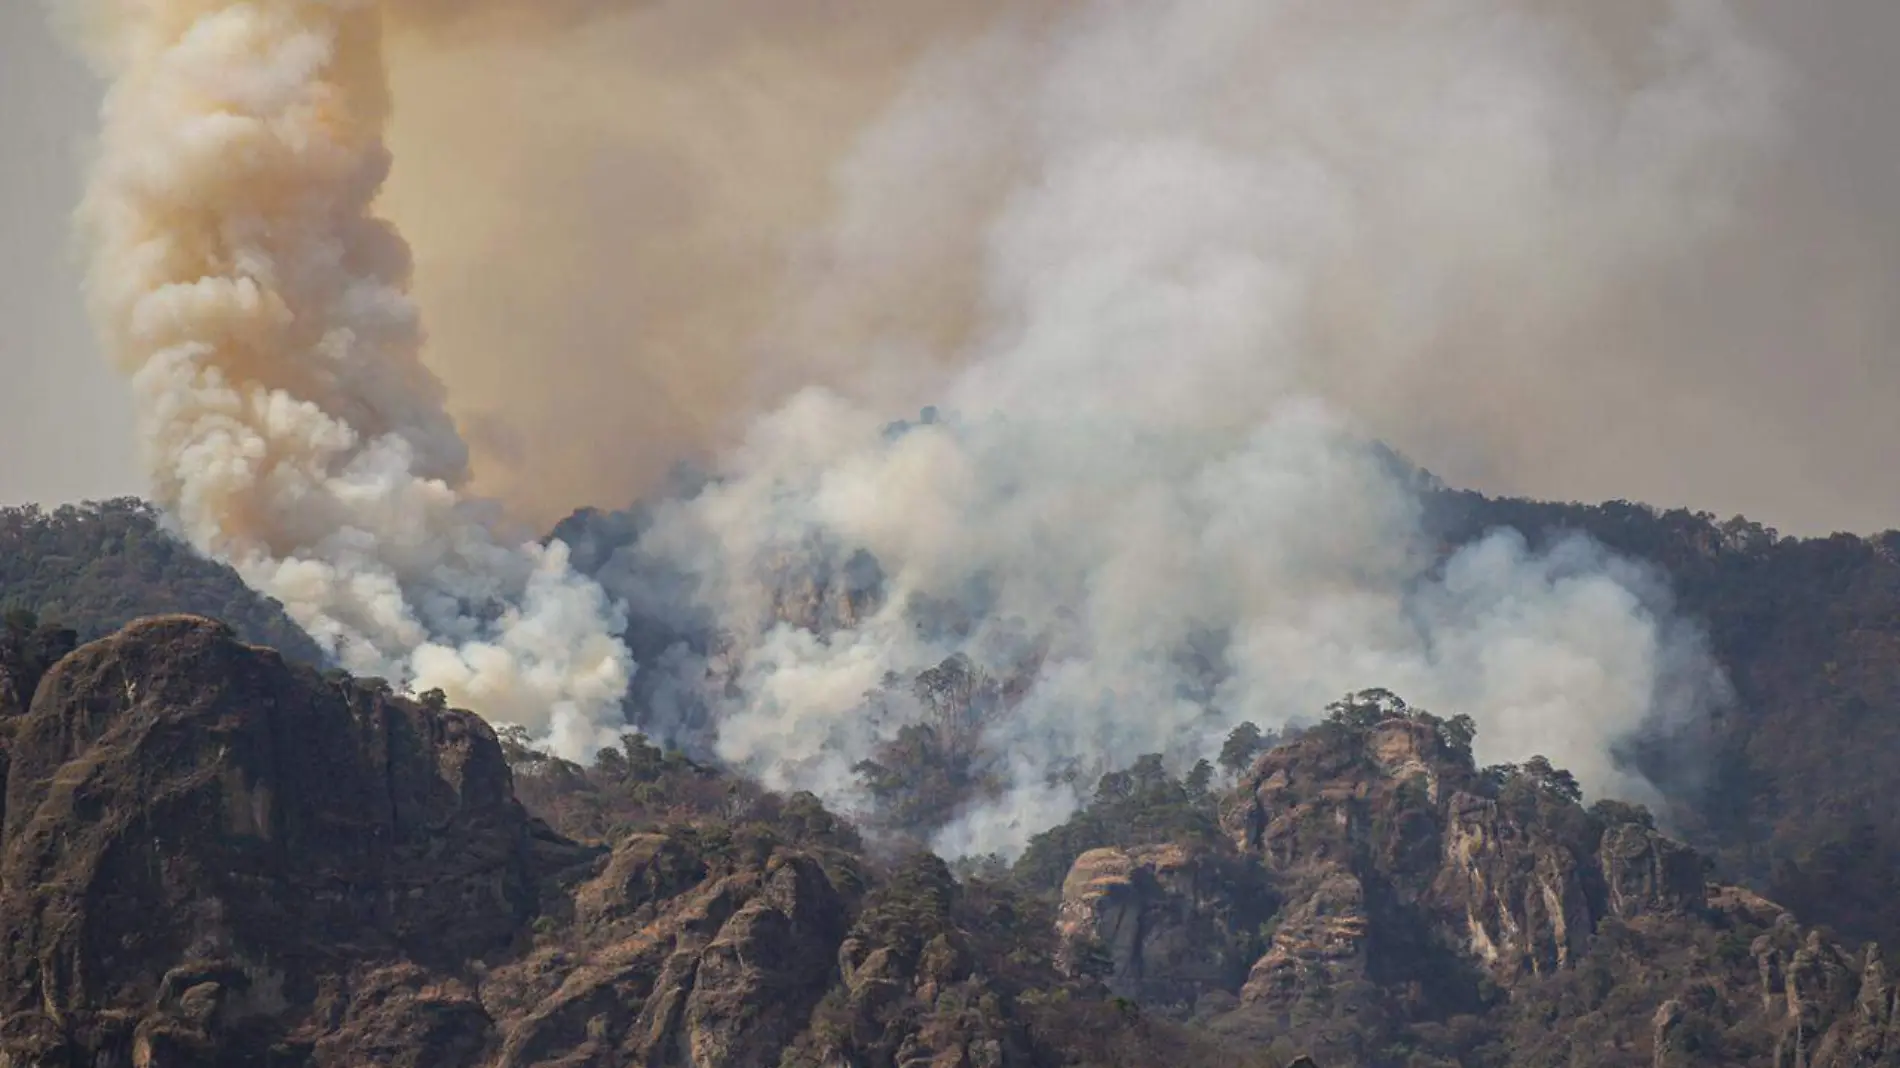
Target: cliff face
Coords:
[[204, 847], [211, 857], [1422, 912], [1163, 925]]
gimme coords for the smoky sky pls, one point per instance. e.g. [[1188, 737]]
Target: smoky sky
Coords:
[[64, 414], [609, 210]]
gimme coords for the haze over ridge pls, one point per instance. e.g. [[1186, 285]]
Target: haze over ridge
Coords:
[[1754, 381]]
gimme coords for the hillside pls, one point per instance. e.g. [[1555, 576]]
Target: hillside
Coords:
[[96, 567], [1788, 785], [211, 856], [214, 855], [1784, 787], [1419, 910]]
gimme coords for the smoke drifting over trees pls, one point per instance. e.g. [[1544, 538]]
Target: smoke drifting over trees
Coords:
[[1168, 270], [1141, 507], [713, 160]]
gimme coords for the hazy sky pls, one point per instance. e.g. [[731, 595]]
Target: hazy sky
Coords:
[[1762, 378], [64, 416]]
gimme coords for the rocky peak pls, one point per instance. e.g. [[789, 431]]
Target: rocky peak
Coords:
[[1165, 925], [1645, 872], [1401, 883], [1518, 896], [212, 857], [1510, 859], [200, 837], [1338, 791]]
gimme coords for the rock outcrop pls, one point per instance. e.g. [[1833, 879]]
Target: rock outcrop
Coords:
[[204, 847], [1410, 891], [1164, 925], [209, 856], [676, 957], [1645, 873]]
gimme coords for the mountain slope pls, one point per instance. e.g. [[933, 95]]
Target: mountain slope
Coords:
[[1421, 911], [1787, 786], [96, 567], [211, 856]]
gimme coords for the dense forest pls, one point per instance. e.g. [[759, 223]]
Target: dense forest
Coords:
[[95, 567]]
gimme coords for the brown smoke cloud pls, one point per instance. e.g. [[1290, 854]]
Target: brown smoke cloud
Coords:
[[242, 279], [635, 229], [604, 214]]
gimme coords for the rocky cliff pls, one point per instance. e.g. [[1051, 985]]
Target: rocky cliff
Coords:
[[210, 856], [1422, 911], [205, 848]]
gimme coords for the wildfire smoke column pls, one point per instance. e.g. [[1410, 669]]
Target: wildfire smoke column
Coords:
[[240, 275]]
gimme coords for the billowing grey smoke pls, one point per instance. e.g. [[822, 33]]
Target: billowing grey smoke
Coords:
[[1199, 219]]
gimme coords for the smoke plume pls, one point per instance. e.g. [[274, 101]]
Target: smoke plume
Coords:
[[240, 276], [1165, 271], [616, 191], [1198, 225], [611, 190]]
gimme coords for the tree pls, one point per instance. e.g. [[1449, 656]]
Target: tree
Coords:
[[98, 566], [1243, 744], [957, 697], [1553, 779], [1458, 733], [1613, 813], [1201, 778], [1367, 709]]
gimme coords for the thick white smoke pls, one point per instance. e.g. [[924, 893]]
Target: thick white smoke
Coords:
[[1135, 251], [1199, 219], [240, 275]]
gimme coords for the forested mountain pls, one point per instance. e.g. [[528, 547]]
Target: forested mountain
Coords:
[[212, 854], [1790, 785], [95, 567]]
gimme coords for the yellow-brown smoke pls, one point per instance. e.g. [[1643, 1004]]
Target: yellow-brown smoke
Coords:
[[241, 277], [613, 205]]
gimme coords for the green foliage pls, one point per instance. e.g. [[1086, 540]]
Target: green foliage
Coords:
[[1243, 744], [1552, 780], [28, 649], [1137, 806], [1367, 709], [913, 905], [1201, 779], [1614, 813], [641, 787], [934, 767], [98, 566], [1523, 786], [1458, 733], [1850, 872], [1357, 714], [1538, 793]]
